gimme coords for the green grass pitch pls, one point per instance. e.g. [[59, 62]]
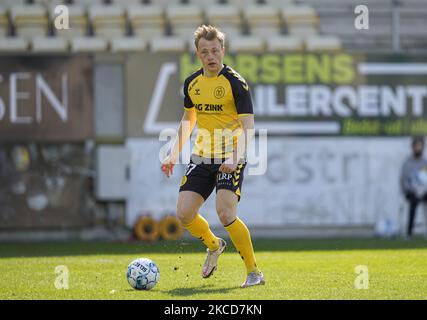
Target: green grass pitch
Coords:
[[294, 269]]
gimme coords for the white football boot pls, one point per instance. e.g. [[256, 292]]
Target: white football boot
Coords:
[[212, 259], [253, 279]]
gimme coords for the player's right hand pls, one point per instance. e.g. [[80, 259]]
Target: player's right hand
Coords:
[[167, 166]]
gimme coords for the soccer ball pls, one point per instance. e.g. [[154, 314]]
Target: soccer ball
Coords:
[[143, 274], [420, 182]]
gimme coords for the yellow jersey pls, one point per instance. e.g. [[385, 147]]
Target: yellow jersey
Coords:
[[219, 101]]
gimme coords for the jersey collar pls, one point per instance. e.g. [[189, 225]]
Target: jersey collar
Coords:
[[224, 66]]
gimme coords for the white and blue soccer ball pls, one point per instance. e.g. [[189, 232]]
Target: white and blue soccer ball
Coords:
[[143, 274], [420, 182]]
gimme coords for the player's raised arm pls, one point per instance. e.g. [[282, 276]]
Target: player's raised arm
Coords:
[[186, 126]]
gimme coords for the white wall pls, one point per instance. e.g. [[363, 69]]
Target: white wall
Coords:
[[330, 181]]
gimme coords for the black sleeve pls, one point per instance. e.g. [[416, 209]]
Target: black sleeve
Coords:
[[242, 96], [187, 100]]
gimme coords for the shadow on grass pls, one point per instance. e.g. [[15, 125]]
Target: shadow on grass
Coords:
[[60, 249], [205, 289], [187, 292]]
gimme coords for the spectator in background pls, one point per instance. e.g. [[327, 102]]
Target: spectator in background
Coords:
[[413, 181]]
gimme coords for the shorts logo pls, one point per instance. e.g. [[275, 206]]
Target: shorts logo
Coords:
[[183, 180], [219, 92], [224, 176]]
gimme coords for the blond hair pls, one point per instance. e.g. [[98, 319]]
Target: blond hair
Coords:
[[209, 33]]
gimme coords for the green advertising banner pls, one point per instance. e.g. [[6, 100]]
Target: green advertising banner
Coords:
[[337, 94]]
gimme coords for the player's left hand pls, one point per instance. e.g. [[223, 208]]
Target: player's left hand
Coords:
[[228, 166]]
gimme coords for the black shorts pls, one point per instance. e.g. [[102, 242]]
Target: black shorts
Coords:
[[204, 177]]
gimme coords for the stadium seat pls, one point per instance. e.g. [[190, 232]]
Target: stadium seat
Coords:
[[278, 3], [337, 18], [108, 21], [78, 22], [263, 20], [301, 20], [241, 3], [89, 44], [147, 21], [4, 24], [165, 3], [413, 26], [49, 44], [323, 43], [87, 3], [49, 3], [13, 44], [245, 44], [275, 3], [184, 19], [127, 3], [127, 44], [226, 17], [284, 43], [413, 4], [168, 44], [207, 3], [191, 45], [29, 20], [9, 3], [349, 4]]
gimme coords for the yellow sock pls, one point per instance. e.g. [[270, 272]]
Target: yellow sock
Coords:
[[241, 238], [199, 228]]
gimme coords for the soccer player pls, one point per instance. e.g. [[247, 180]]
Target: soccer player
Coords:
[[218, 99], [408, 181]]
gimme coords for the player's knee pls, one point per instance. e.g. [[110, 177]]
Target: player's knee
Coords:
[[226, 215], [185, 215]]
